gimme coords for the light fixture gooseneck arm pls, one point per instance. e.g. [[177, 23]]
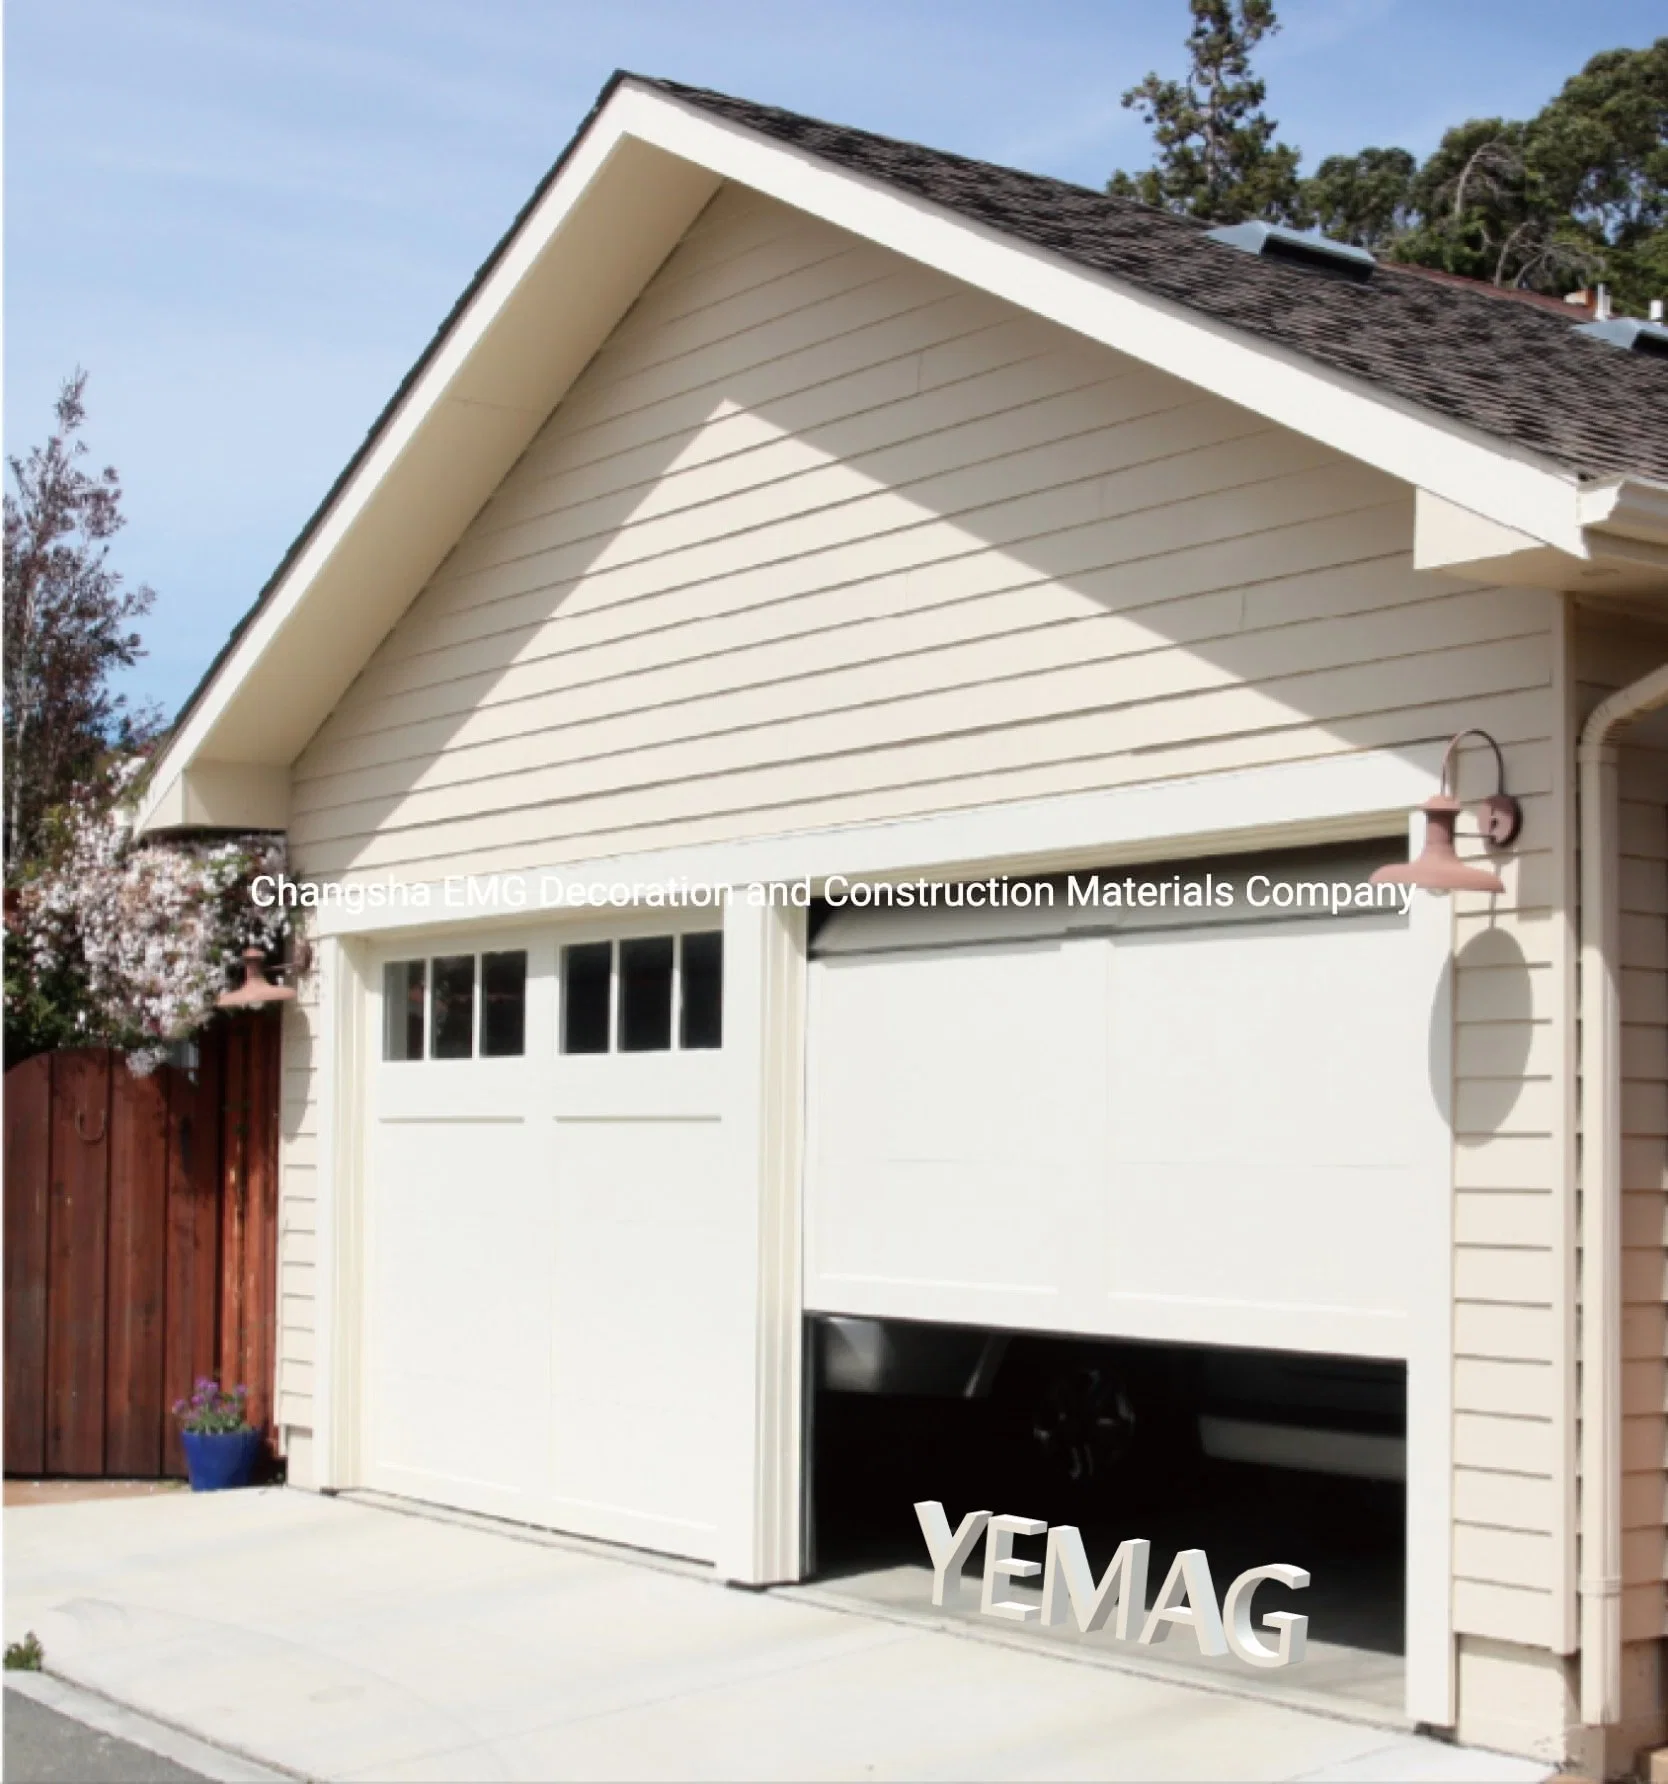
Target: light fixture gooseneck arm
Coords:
[[1446, 784], [1500, 815]]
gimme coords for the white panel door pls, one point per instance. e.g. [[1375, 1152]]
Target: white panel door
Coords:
[[1216, 1134], [545, 1257]]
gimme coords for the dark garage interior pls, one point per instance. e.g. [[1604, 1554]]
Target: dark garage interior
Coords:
[[1253, 1456]]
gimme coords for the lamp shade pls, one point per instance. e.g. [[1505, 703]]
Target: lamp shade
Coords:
[[1439, 868], [257, 989]]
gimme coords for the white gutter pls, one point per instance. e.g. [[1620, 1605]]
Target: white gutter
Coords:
[[1629, 507], [1601, 1203]]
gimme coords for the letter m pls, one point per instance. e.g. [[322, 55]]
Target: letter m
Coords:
[[1066, 1576]]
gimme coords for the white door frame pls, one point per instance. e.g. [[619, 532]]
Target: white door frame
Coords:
[[343, 1083]]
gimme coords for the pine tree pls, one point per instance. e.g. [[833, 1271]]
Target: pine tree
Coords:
[[1219, 156]]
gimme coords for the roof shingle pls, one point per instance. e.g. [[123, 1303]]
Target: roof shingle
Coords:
[[1515, 371]]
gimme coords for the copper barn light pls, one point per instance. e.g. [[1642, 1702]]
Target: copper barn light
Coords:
[[1439, 868], [257, 989]]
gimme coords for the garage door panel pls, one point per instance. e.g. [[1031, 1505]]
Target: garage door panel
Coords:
[[619, 1471], [642, 1245], [547, 1242], [947, 1117], [457, 1274], [1203, 1132], [1294, 1037], [1311, 1239], [434, 1090], [1262, 1154]]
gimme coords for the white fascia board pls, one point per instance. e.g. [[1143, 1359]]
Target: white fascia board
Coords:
[[438, 382], [1466, 466], [1333, 798]]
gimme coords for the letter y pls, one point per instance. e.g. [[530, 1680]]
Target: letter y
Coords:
[[948, 1552]]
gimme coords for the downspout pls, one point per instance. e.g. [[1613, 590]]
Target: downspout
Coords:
[[1601, 1202]]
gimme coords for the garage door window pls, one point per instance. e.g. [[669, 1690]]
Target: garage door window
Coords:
[[504, 1004], [452, 1010], [644, 994], [431, 1010], [701, 982], [404, 995], [587, 985]]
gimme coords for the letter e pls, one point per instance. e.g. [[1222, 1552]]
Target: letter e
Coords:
[[1000, 1565]]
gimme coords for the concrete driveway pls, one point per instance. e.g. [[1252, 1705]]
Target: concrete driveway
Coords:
[[344, 1640]]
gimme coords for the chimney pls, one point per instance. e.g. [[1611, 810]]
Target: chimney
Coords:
[[1601, 304]]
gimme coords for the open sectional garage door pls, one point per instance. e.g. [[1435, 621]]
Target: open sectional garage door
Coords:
[[1131, 1212], [1206, 1125], [544, 1233]]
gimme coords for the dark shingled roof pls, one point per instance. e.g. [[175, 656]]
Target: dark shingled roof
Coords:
[[1515, 371]]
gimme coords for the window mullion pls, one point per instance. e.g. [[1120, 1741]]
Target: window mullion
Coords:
[[675, 1040]]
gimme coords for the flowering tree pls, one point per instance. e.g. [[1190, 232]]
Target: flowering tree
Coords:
[[128, 942], [68, 620], [109, 939]]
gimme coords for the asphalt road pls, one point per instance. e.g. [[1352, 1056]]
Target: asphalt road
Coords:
[[44, 1747]]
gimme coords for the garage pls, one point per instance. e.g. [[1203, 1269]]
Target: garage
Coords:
[[545, 1211], [1126, 1198]]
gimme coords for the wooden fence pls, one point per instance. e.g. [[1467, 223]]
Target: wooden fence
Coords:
[[140, 1248]]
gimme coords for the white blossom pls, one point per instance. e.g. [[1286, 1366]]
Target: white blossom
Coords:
[[154, 925]]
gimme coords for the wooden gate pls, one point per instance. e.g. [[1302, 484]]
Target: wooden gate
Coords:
[[140, 1248]]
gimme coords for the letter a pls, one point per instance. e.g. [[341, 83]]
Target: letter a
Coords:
[[948, 1552], [1189, 1599]]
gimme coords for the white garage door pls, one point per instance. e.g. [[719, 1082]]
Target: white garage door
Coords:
[[545, 1217], [1207, 1125]]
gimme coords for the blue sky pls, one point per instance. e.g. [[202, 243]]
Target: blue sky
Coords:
[[245, 220]]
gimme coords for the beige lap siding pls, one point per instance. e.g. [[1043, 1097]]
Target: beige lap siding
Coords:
[[1508, 996], [821, 537], [1613, 653], [298, 1231]]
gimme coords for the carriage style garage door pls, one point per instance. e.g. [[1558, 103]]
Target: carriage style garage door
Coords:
[[544, 1216], [1200, 1125]]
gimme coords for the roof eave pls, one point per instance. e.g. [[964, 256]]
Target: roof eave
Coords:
[[613, 207]]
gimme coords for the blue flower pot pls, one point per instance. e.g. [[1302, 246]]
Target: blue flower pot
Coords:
[[216, 1459]]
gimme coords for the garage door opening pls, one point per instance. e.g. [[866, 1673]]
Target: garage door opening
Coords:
[[1253, 1456]]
